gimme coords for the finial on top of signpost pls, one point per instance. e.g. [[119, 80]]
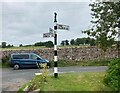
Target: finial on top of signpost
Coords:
[[55, 17]]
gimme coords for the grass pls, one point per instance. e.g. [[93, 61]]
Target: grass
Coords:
[[22, 87], [83, 81], [4, 65], [24, 48], [64, 63], [77, 82], [39, 47]]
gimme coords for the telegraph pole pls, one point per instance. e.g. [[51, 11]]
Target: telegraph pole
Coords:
[[55, 47]]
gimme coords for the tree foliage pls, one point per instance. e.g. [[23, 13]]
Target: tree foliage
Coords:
[[79, 41], [39, 44], [106, 21], [4, 45], [113, 73], [72, 42], [20, 45], [83, 41], [65, 42], [62, 43], [47, 44]]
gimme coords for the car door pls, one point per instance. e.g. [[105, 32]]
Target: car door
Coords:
[[33, 60], [24, 60]]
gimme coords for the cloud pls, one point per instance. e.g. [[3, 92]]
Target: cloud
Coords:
[[25, 22]]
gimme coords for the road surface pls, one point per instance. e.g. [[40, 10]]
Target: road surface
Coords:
[[13, 79]]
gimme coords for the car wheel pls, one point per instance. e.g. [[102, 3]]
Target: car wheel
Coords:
[[16, 66]]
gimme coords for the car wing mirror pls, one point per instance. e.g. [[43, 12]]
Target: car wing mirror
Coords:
[[38, 58]]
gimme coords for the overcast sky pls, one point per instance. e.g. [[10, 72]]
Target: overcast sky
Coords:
[[25, 22]]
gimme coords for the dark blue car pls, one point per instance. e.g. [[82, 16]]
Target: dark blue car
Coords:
[[23, 60]]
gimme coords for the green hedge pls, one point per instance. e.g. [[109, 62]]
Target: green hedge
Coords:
[[112, 78], [5, 62]]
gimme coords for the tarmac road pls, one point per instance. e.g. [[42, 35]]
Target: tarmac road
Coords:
[[13, 79]]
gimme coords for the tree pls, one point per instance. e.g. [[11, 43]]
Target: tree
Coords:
[[8, 45], [39, 44], [106, 21], [20, 45], [92, 42], [48, 44], [63, 43], [3, 44], [67, 42], [79, 41], [72, 42]]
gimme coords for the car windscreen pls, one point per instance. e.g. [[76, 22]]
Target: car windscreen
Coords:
[[23, 56], [35, 57]]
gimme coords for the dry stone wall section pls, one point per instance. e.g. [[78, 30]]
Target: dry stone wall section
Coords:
[[78, 54]]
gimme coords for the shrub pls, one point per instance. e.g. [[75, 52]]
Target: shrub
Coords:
[[34, 84], [44, 72], [5, 62], [5, 59], [38, 81], [112, 76]]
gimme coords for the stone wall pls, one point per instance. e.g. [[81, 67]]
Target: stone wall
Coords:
[[81, 53]]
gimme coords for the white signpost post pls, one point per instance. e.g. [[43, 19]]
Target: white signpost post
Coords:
[[53, 33]]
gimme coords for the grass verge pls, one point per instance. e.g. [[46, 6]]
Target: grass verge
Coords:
[[84, 81], [4, 65], [65, 63]]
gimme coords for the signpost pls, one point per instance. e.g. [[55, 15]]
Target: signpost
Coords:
[[53, 33], [62, 27], [50, 34], [45, 35]]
